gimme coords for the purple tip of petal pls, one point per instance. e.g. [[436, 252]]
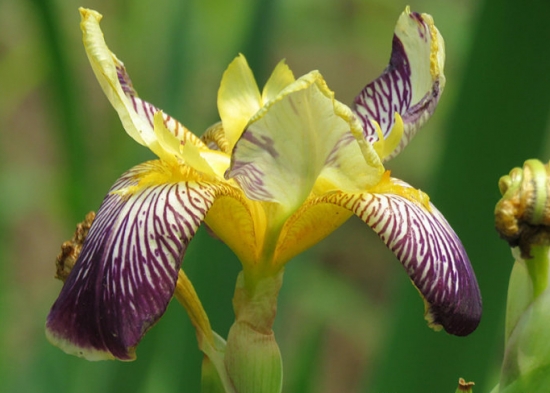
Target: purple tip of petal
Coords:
[[452, 293], [118, 287], [460, 315]]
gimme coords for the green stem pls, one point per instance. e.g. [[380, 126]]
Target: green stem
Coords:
[[212, 345], [538, 269]]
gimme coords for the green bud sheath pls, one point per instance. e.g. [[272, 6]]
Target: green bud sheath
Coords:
[[522, 218], [252, 356], [527, 350], [210, 379]]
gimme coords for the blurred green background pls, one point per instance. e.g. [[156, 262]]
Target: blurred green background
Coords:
[[349, 320]]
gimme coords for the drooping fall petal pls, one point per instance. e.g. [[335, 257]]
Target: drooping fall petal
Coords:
[[127, 270], [410, 86], [429, 250], [238, 98]]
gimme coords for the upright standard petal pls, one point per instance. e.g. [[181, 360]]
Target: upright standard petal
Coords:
[[135, 114], [409, 88], [238, 99], [281, 77], [428, 248], [289, 141], [126, 273]]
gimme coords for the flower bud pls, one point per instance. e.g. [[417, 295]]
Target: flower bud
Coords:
[[252, 356], [527, 349], [253, 360], [522, 218]]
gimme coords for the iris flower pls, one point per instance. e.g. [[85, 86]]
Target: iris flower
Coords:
[[283, 168]]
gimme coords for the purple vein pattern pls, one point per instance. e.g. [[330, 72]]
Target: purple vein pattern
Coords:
[[248, 173], [147, 111], [389, 93], [125, 275], [430, 252], [392, 92]]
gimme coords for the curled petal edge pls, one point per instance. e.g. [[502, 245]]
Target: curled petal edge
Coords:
[[410, 86]]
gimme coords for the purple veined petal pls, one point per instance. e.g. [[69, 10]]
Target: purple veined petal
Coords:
[[430, 252], [126, 272], [411, 85], [147, 110]]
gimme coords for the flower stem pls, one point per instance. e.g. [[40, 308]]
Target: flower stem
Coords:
[[185, 294], [538, 269], [212, 345]]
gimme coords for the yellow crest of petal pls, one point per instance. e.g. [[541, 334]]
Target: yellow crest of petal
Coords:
[[214, 138], [388, 185], [385, 147], [167, 146], [158, 172], [238, 98], [170, 148]]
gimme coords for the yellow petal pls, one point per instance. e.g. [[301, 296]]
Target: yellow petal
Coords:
[[385, 147], [170, 149], [238, 98], [281, 77], [289, 142], [238, 223], [315, 220]]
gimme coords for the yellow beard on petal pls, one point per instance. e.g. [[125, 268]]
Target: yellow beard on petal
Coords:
[[161, 172], [387, 185]]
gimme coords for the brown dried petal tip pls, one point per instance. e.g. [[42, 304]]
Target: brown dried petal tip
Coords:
[[70, 250], [464, 386]]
